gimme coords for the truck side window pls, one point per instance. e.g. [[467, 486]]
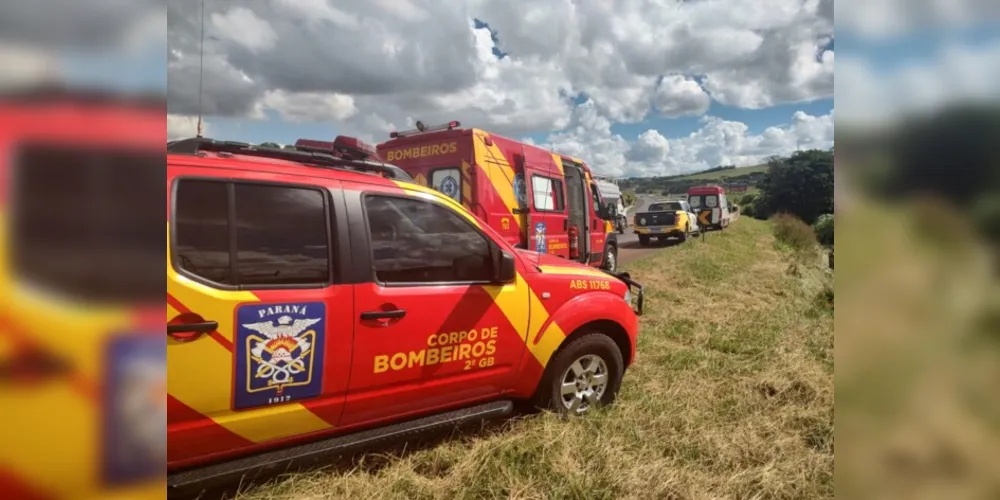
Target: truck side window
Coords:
[[415, 241], [201, 230], [547, 193], [281, 233]]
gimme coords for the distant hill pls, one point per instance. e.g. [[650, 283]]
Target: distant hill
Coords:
[[733, 179]]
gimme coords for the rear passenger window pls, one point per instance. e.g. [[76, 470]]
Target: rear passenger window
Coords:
[[414, 241], [281, 233], [547, 193], [201, 230]]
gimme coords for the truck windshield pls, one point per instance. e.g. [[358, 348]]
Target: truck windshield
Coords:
[[666, 207]]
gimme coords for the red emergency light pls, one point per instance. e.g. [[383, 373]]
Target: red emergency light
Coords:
[[421, 128], [342, 146]]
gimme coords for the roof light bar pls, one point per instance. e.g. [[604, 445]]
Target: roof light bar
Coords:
[[421, 128]]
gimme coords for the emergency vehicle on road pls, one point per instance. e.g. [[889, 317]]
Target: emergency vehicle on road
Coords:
[[711, 205], [318, 300], [535, 199], [666, 219]]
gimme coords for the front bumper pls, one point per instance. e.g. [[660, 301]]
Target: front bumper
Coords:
[[635, 287]]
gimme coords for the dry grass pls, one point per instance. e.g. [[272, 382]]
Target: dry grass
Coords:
[[731, 397]]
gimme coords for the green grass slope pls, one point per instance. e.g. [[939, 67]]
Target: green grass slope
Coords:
[[736, 172], [731, 396]]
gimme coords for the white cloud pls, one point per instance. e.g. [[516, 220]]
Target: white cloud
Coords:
[[403, 61], [678, 96], [242, 26], [374, 66], [880, 19], [868, 95], [717, 142], [184, 127], [310, 106], [26, 66]]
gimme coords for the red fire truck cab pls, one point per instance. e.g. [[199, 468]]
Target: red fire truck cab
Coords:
[[536, 199]]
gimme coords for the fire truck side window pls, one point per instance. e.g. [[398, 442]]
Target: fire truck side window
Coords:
[[281, 233], [415, 241], [547, 194], [201, 230]]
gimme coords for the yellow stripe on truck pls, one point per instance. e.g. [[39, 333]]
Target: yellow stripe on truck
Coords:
[[512, 300], [200, 373], [490, 157]]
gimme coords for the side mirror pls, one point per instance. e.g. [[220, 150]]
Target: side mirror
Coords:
[[603, 212], [505, 271]]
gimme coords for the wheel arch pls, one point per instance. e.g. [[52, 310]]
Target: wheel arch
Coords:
[[612, 329]]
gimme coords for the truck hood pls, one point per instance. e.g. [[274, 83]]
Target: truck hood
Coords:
[[547, 263]]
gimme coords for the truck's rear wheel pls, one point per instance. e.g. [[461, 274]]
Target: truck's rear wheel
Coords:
[[644, 239], [585, 374]]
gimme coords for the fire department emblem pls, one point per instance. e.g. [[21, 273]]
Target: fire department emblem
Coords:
[[540, 244], [520, 191], [280, 353], [135, 411], [449, 186]]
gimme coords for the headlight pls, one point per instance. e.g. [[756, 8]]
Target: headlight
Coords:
[[642, 221], [628, 295]]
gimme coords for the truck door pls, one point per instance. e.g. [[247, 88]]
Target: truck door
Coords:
[[259, 325], [432, 330], [548, 221], [599, 228]]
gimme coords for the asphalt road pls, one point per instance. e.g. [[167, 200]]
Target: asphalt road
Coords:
[[629, 248]]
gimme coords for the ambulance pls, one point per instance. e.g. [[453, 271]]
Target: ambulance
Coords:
[[536, 199], [711, 205]]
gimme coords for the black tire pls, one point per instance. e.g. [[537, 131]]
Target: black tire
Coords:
[[609, 262], [548, 395], [644, 239]]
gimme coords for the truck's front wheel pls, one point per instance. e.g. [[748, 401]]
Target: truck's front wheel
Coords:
[[585, 374], [610, 263]]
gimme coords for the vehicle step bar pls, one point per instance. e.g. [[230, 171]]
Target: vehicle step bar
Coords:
[[256, 464]]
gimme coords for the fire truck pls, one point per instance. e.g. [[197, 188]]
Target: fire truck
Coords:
[[536, 199]]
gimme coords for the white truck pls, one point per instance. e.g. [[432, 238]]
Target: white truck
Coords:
[[612, 196]]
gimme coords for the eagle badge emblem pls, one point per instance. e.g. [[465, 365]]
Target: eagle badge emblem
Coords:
[[280, 353]]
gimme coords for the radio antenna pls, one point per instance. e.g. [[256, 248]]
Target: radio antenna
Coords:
[[201, 63]]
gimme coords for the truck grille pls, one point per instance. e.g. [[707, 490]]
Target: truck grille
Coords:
[[87, 223]]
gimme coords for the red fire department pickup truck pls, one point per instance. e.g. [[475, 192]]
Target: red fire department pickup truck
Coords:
[[81, 359], [534, 198], [319, 300]]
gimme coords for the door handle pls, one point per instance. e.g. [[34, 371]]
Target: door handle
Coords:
[[186, 332], [203, 327], [375, 315]]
